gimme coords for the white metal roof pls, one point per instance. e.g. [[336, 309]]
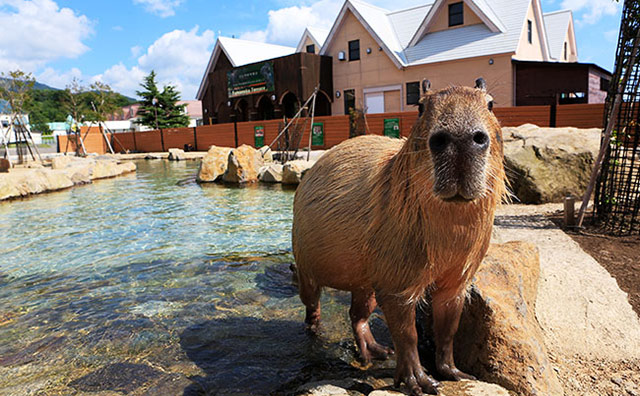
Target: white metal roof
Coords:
[[557, 23], [405, 36], [240, 53], [316, 35]]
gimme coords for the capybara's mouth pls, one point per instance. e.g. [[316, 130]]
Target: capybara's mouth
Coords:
[[458, 199]]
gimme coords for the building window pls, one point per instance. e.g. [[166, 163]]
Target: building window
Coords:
[[529, 31], [413, 93], [354, 50], [349, 100], [311, 49], [456, 16], [604, 84], [565, 50]]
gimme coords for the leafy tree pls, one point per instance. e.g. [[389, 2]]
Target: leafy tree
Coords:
[[160, 109], [102, 100], [72, 101], [15, 90]]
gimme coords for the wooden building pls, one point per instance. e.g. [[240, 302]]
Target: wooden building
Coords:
[[549, 83], [247, 81]]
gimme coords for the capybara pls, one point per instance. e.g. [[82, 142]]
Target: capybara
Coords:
[[389, 219]]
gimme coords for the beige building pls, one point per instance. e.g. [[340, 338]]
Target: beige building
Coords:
[[380, 56]]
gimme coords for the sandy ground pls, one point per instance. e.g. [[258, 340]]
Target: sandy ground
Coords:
[[591, 330]]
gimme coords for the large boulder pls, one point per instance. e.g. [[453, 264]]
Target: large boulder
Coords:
[[547, 164], [499, 339], [213, 165], [243, 165], [271, 173], [61, 162], [293, 171], [176, 154], [267, 154]]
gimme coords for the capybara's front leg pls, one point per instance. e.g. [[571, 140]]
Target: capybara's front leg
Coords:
[[400, 317], [447, 306], [363, 302]]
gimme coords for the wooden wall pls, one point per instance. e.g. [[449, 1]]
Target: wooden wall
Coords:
[[336, 129]]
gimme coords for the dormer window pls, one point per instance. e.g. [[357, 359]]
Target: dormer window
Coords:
[[456, 16], [529, 31], [311, 49]]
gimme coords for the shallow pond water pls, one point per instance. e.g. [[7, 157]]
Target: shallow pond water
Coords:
[[152, 284]]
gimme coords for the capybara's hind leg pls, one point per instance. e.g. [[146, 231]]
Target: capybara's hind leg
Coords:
[[363, 302], [400, 317], [310, 296], [447, 307]]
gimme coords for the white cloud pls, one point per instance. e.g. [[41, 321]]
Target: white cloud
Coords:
[[179, 58], [590, 11], [56, 79], [136, 51], [162, 8], [35, 32]]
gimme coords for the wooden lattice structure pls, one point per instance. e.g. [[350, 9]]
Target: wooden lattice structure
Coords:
[[617, 195]]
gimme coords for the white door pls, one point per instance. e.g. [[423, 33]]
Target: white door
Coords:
[[374, 102]]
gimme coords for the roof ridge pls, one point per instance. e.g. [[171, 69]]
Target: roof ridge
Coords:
[[410, 8], [386, 11], [557, 12]]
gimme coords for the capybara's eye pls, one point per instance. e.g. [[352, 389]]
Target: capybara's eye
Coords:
[[480, 138]]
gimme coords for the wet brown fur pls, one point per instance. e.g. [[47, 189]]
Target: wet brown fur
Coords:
[[366, 218]]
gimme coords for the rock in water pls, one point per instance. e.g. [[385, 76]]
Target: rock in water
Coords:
[[271, 173], [243, 165], [499, 339], [213, 165], [176, 154], [547, 164], [293, 171]]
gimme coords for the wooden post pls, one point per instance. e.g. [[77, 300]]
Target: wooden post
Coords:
[[162, 139], [135, 144], [195, 138], [235, 129], [569, 211]]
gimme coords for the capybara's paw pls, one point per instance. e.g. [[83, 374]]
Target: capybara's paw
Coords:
[[379, 352], [416, 380], [452, 373]]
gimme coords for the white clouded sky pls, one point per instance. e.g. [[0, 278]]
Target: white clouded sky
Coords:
[[120, 41]]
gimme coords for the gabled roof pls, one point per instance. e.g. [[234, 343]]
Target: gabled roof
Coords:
[[404, 34], [376, 21], [480, 7], [556, 24], [316, 35], [240, 53]]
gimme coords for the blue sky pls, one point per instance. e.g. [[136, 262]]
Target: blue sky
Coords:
[[120, 41]]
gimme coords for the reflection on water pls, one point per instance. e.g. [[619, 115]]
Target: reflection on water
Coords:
[[187, 285]]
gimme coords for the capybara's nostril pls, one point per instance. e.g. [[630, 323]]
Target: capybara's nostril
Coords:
[[481, 140], [439, 141]]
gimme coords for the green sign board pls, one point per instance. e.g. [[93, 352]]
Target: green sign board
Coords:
[[249, 80], [317, 134], [258, 135], [392, 127]]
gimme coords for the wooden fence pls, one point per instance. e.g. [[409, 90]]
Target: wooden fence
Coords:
[[336, 129]]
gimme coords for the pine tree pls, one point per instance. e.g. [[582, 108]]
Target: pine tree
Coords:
[[160, 109]]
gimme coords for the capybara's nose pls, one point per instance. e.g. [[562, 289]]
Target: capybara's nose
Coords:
[[476, 141], [439, 142]]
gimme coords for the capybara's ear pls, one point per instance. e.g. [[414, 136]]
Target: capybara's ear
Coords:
[[481, 84], [426, 86]]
